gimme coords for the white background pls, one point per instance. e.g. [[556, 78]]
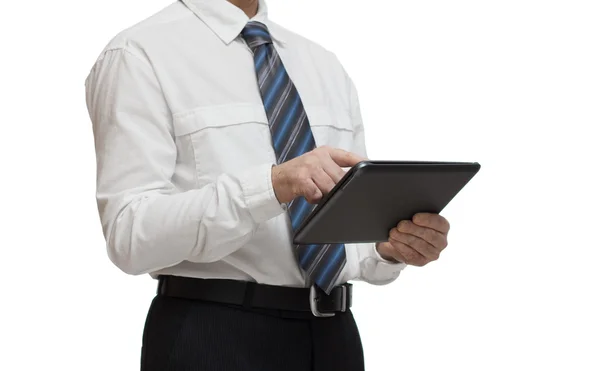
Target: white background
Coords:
[[512, 84]]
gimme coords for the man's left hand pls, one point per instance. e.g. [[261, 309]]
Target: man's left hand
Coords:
[[418, 241]]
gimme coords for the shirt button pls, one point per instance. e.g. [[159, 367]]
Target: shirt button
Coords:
[[284, 206]]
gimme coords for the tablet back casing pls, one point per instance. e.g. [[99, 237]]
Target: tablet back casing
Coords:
[[379, 194]]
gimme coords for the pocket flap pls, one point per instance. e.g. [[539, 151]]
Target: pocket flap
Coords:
[[217, 116], [328, 116]]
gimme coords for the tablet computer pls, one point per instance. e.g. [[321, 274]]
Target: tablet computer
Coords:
[[373, 196]]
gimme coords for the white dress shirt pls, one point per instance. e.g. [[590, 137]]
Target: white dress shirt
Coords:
[[184, 150]]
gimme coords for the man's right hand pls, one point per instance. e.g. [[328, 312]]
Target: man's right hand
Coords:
[[311, 175]]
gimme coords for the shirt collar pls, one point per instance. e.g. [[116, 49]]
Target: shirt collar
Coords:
[[227, 20]]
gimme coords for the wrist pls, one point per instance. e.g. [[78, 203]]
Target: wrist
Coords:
[[279, 187], [275, 181]]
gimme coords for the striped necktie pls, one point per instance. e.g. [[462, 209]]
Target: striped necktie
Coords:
[[292, 137]]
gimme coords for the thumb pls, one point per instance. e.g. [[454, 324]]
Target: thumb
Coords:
[[386, 250]]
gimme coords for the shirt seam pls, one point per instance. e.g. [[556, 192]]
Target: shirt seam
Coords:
[[195, 110], [145, 62]]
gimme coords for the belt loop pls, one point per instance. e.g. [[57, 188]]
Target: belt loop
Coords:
[[349, 296], [249, 295], [161, 282]]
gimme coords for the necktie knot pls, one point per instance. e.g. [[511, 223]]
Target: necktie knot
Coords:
[[256, 34]]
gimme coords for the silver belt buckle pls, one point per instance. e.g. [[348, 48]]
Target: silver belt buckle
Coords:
[[313, 302]]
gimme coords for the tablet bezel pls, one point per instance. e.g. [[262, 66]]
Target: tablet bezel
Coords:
[[356, 170]]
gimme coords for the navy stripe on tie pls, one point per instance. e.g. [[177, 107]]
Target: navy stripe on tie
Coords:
[[262, 56], [303, 145], [287, 120], [300, 213], [327, 269], [308, 254], [271, 90]]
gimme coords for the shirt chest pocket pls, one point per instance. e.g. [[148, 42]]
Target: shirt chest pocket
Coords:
[[231, 137]]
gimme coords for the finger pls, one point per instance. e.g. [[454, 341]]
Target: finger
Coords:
[[432, 236], [433, 221], [421, 246], [323, 181], [344, 158], [332, 169], [311, 192], [399, 257], [410, 256]]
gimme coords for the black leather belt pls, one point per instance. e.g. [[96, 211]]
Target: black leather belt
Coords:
[[253, 295]]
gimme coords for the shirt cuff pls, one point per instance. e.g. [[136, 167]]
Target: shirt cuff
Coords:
[[259, 195], [377, 270]]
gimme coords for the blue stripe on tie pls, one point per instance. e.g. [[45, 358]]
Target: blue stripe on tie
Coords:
[[261, 57], [299, 213], [257, 32], [303, 145], [274, 87], [332, 259], [287, 120], [309, 252]]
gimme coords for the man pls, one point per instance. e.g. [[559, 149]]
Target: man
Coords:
[[215, 129]]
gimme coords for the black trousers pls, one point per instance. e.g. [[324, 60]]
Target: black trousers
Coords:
[[189, 335]]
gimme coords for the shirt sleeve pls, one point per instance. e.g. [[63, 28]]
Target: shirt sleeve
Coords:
[[148, 223], [372, 267]]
